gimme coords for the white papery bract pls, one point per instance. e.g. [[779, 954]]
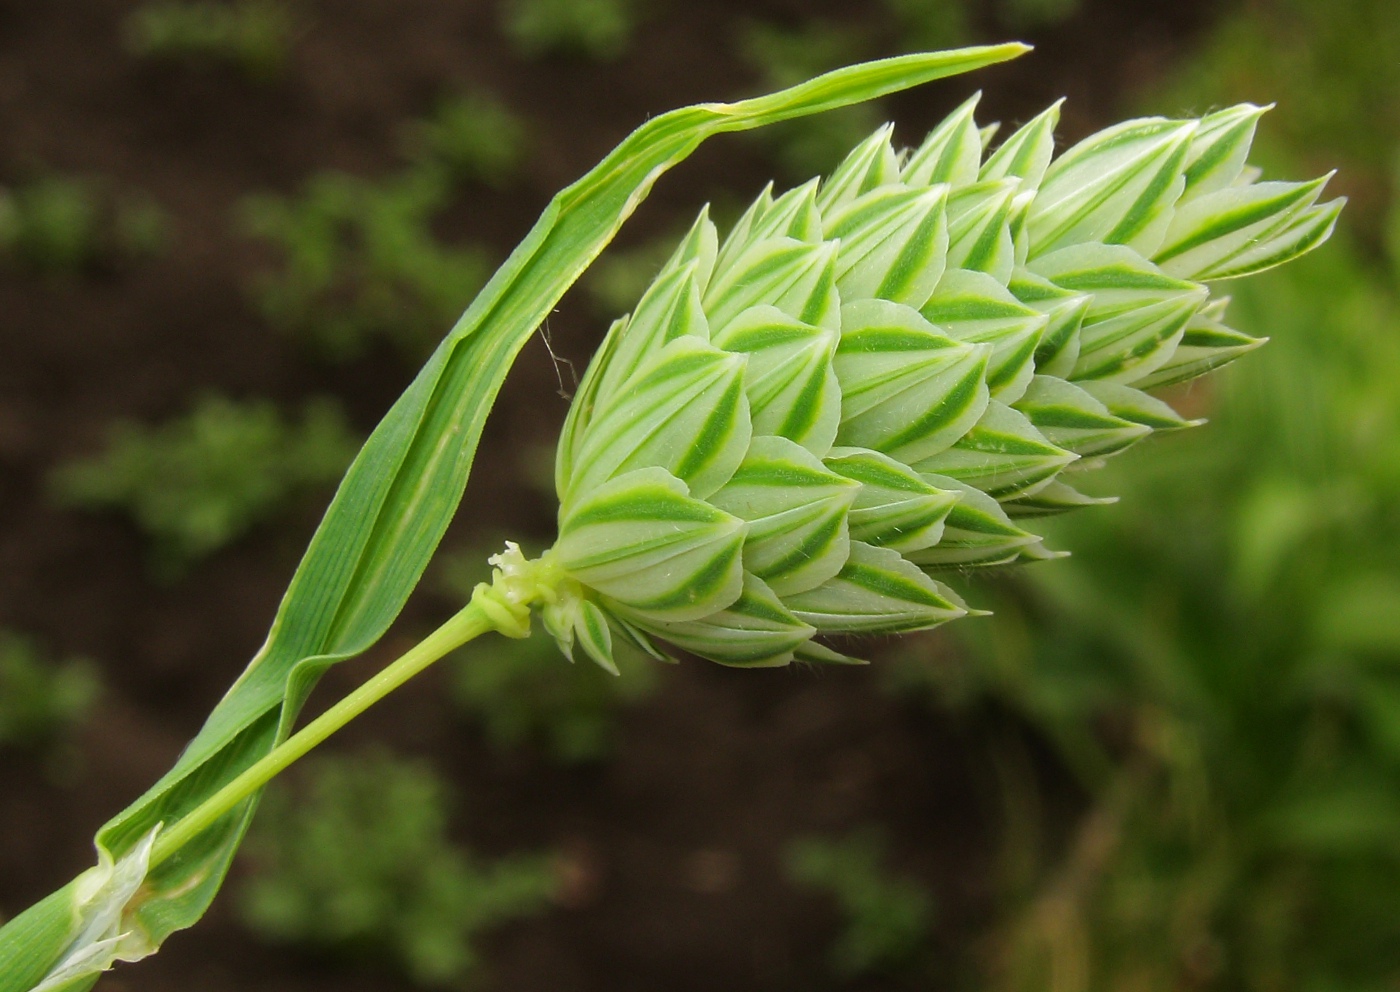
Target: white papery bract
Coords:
[[890, 373]]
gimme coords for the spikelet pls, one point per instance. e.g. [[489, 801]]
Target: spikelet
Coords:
[[891, 373]]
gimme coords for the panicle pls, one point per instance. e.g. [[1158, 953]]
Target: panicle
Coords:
[[891, 373]]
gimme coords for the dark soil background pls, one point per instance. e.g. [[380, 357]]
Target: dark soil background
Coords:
[[719, 765]]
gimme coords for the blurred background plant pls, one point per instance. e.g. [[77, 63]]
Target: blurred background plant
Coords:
[[359, 261], [254, 36], [65, 225], [42, 701], [473, 136], [597, 29], [928, 25], [197, 483], [355, 856], [886, 919]]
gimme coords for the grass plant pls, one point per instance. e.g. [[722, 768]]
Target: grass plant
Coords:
[[872, 380]]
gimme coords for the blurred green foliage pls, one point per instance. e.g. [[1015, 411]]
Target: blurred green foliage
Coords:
[[930, 25], [472, 136], [253, 35], [61, 224], [41, 700], [359, 260], [355, 856], [598, 29], [1392, 220], [788, 56], [885, 919], [199, 482], [525, 693], [52, 224]]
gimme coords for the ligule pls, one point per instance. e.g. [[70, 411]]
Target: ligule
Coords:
[[885, 375]]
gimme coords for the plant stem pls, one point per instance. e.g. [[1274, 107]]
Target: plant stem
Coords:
[[472, 621]]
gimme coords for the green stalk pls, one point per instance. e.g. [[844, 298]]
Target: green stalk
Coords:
[[470, 622]]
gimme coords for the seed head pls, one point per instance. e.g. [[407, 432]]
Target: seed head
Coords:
[[887, 374]]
